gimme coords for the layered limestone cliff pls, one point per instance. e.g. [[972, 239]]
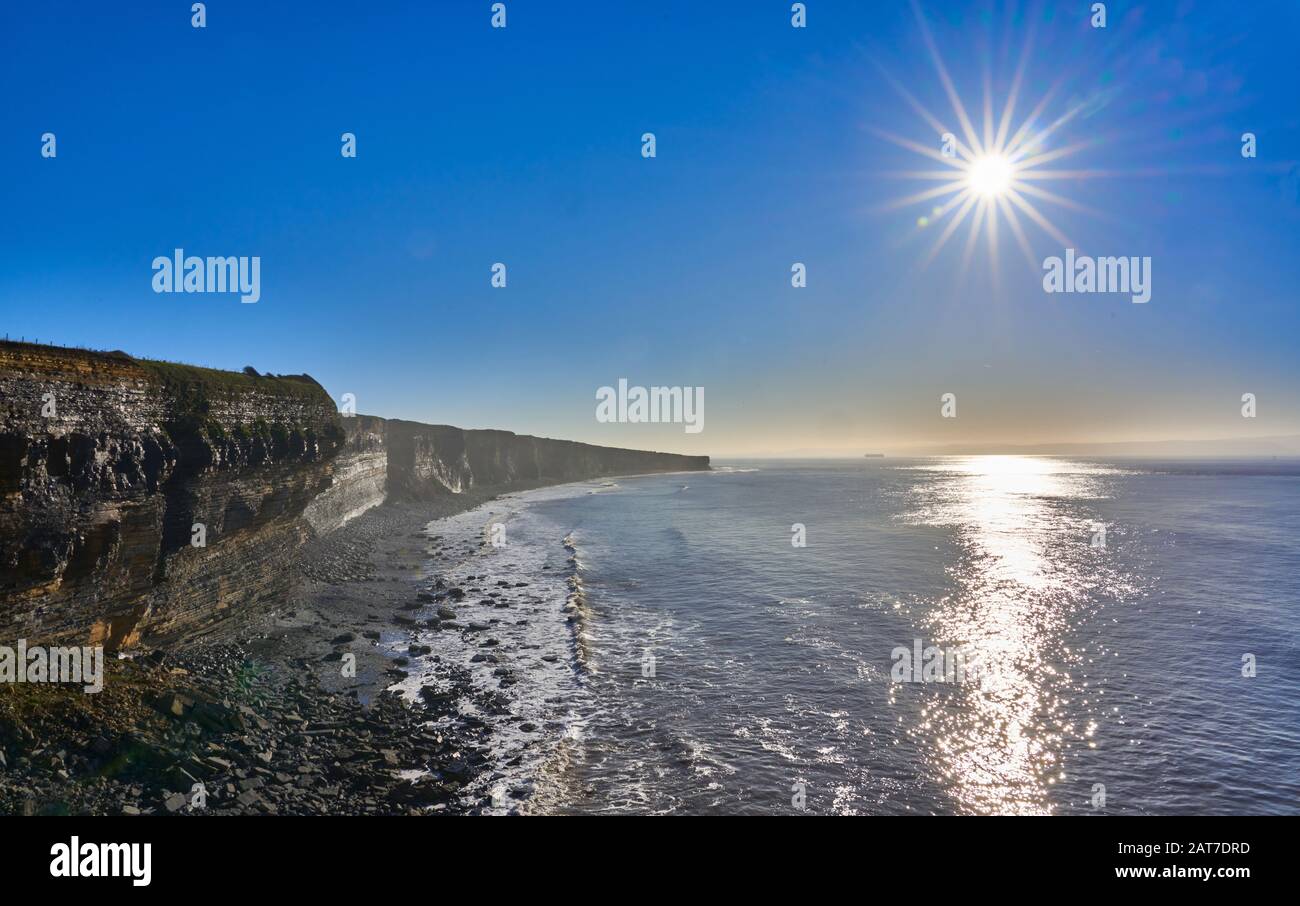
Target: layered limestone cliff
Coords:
[[146, 501], [359, 478], [435, 459], [144, 496]]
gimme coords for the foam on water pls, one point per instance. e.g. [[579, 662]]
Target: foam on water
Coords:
[[704, 664], [539, 638]]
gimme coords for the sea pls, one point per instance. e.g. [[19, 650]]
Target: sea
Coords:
[[881, 636]]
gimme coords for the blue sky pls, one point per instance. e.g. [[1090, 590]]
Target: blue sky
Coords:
[[522, 145]]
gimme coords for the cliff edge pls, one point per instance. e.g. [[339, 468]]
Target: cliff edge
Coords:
[[146, 501]]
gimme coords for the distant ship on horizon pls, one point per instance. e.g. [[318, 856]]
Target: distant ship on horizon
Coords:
[[873, 455]]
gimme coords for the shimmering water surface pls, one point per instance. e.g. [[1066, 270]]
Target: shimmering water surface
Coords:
[[712, 666]]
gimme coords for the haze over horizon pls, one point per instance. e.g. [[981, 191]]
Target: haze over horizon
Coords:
[[1286, 446], [523, 145]]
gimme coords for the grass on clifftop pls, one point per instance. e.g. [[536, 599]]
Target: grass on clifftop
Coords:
[[195, 388], [212, 381], [176, 376]]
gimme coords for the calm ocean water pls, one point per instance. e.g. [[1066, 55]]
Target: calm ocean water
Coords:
[[717, 668]]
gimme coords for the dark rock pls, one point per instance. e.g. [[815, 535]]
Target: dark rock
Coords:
[[174, 704]]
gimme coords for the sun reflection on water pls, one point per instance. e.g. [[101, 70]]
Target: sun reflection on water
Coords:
[[1024, 577]]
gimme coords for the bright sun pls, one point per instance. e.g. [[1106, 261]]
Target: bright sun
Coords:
[[990, 176], [994, 176]]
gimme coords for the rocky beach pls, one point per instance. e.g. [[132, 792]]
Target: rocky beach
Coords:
[[262, 717], [286, 629]]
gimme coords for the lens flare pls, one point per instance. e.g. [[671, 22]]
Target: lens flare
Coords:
[[994, 177]]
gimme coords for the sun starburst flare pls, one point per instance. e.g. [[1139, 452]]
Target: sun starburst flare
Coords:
[[989, 178]]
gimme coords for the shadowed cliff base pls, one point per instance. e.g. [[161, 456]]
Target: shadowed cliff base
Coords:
[[260, 712]]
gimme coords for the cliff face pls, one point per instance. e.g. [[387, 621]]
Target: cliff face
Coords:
[[144, 500], [359, 477], [138, 495], [434, 459]]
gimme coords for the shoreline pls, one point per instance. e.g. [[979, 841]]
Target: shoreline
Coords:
[[255, 710], [259, 710]]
